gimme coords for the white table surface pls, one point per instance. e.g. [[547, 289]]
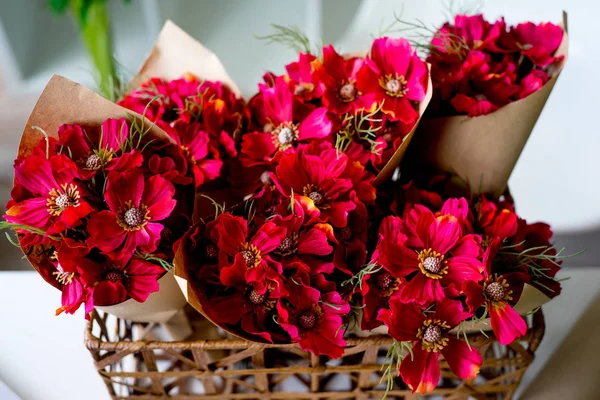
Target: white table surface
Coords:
[[42, 357]]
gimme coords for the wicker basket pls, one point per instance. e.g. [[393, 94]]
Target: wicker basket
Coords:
[[135, 364]]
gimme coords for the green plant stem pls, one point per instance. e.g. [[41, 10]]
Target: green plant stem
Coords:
[[95, 32]]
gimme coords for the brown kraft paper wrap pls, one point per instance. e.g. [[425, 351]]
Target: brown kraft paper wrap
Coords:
[[531, 298], [67, 102], [484, 150]]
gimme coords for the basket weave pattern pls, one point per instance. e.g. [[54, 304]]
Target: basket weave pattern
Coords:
[[135, 365]]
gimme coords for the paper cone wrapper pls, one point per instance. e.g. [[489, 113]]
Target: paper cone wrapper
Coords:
[[66, 102], [531, 298], [484, 150], [176, 53], [160, 306]]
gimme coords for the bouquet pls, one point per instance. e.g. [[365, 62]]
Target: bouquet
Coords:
[[490, 84], [283, 218], [319, 140], [100, 200]]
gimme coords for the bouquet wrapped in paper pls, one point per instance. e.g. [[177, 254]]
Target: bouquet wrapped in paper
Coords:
[[100, 199], [490, 84]]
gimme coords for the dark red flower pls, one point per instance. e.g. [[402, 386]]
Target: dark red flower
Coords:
[[135, 204], [496, 222], [496, 292], [96, 150], [318, 186], [429, 335], [396, 76], [313, 320], [245, 256], [113, 283]]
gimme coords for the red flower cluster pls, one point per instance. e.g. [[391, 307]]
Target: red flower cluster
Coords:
[[203, 118], [362, 106], [439, 264], [280, 264], [96, 216], [478, 66]]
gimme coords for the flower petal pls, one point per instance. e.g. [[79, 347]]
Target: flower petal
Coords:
[[506, 322], [421, 371], [464, 362]]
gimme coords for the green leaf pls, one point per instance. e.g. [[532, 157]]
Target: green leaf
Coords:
[[58, 6]]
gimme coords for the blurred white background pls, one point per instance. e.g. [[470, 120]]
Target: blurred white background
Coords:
[[556, 177]]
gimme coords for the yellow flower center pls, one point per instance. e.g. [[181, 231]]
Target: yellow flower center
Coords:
[[59, 199], [394, 85], [284, 135], [133, 218], [432, 264], [251, 255], [431, 335]]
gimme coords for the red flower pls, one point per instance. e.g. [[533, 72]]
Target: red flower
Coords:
[[97, 150], [436, 248], [158, 99], [429, 335], [495, 222], [313, 320], [302, 72], [474, 30], [317, 185], [57, 198], [538, 42], [67, 275], [243, 256], [195, 143], [134, 206], [285, 129], [496, 292], [304, 244], [114, 283], [532, 82], [395, 75], [339, 76], [535, 239], [379, 287], [248, 304]]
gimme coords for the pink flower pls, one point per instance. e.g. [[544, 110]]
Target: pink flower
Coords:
[[57, 201], [395, 76], [538, 42], [307, 84], [339, 76], [313, 320], [135, 204], [429, 335], [285, 129], [532, 82], [196, 146]]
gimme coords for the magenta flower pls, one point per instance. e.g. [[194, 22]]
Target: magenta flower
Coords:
[[134, 206]]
